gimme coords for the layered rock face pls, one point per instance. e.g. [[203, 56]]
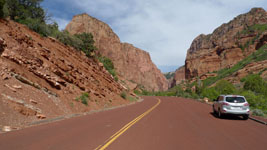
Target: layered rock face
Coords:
[[179, 76], [42, 78], [131, 63], [227, 45]]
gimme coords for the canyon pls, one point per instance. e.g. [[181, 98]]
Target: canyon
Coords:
[[133, 65]]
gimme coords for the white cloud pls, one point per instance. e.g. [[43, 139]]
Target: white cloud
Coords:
[[164, 28]]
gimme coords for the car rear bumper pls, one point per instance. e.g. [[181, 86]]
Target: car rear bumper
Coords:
[[236, 112]]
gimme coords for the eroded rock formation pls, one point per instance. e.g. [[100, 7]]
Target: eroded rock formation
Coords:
[[227, 45], [41, 77], [130, 62]]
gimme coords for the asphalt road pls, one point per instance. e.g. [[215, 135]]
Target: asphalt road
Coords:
[[157, 123]]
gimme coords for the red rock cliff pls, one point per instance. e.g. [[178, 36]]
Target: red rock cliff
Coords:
[[41, 77], [227, 45], [130, 62]]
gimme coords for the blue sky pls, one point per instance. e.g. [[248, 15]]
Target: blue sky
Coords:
[[164, 28]]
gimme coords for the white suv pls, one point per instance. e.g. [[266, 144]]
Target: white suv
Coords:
[[231, 104]]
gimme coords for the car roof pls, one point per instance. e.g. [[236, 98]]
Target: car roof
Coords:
[[232, 95]]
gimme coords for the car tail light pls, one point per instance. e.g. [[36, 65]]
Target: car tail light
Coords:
[[226, 104], [246, 104]]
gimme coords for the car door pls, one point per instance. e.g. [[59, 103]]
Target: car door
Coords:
[[216, 103], [220, 102]]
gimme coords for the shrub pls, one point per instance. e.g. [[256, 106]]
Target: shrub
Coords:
[[257, 112], [108, 64], [84, 98], [36, 25], [225, 87], [210, 93], [87, 43], [123, 95], [250, 97], [256, 84]]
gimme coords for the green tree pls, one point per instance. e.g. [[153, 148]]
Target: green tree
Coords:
[[87, 45], [2, 3], [22, 9]]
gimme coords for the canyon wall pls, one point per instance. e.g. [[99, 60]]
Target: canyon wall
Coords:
[[131, 63], [43, 78], [227, 45]]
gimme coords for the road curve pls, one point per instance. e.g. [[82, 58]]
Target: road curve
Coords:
[[174, 124]]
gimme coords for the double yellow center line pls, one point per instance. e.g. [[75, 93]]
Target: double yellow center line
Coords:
[[125, 128]]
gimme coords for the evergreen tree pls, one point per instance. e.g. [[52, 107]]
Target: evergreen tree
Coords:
[[2, 3]]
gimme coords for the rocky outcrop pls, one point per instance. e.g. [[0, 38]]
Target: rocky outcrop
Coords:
[[179, 76], [43, 78], [227, 45], [130, 62], [252, 68]]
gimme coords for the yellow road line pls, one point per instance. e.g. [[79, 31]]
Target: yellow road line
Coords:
[[126, 127]]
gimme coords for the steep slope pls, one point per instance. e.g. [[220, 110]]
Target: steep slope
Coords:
[[131, 63], [42, 78], [227, 45]]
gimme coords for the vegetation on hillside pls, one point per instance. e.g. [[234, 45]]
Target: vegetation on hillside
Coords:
[[108, 64], [253, 87], [257, 29], [30, 13], [259, 55]]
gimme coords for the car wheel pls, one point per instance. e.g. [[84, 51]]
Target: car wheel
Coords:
[[214, 111], [219, 113], [245, 117]]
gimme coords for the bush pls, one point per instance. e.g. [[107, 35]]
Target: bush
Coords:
[[210, 93], [108, 64], [87, 43], [225, 87], [84, 98], [36, 25], [257, 112], [256, 84], [250, 97], [123, 95]]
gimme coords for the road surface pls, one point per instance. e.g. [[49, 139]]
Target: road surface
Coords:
[[157, 123]]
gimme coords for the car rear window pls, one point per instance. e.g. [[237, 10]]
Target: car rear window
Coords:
[[235, 99]]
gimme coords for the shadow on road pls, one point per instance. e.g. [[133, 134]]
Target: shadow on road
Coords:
[[227, 117]]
